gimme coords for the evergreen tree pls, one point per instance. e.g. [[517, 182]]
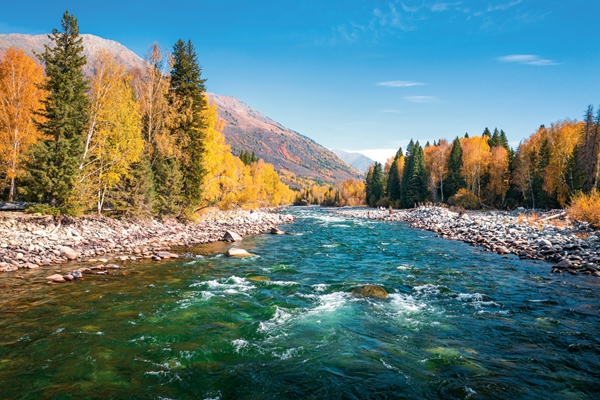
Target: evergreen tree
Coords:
[[368, 184], [394, 181], [454, 181], [377, 184], [494, 139], [486, 132], [187, 92], [503, 140], [134, 195], [253, 158], [54, 162], [414, 180]]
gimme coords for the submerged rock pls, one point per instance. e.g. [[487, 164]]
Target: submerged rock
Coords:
[[277, 231], [235, 252], [372, 291]]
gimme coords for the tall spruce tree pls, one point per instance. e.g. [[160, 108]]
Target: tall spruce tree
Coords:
[[53, 165], [454, 181], [394, 181], [414, 179], [377, 185], [187, 93]]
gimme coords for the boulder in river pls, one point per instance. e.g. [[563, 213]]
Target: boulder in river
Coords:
[[277, 231], [231, 236], [235, 252], [372, 291]]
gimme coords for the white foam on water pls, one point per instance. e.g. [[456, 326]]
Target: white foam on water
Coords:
[[427, 289], [404, 304], [331, 245], [231, 285], [403, 267], [59, 330], [281, 316], [330, 302], [281, 283], [320, 287], [289, 353], [470, 297], [239, 344]]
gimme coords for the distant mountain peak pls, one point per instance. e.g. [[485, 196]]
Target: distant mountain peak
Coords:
[[357, 160]]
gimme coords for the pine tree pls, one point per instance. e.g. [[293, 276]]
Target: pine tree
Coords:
[[377, 184], [494, 139], [54, 162], [394, 181], [454, 181], [187, 92], [414, 180]]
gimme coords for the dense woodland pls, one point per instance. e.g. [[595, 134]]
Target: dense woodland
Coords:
[[545, 171], [139, 142]]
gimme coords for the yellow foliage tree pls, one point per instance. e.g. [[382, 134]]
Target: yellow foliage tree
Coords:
[[20, 98], [563, 137], [436, 162], [228, 181], [476, 158], [499, 176], [114, 139]]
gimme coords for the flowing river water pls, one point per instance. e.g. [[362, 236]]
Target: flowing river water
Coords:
[[460, 323]]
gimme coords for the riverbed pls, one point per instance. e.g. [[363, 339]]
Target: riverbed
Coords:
[[460, 322]]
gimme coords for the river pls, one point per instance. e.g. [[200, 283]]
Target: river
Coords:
[[460, 323]]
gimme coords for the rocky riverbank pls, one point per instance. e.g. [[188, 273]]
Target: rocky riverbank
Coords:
[[572, 248], [32, 242]]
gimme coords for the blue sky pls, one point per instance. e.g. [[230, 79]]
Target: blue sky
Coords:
[[364, 75]]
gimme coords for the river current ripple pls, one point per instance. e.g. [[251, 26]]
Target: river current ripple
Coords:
[[461, 323]]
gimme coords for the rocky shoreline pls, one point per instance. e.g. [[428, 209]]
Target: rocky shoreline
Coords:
[[29, 242], [572, 248]]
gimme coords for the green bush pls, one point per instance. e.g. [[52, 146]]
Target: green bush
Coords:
[[43, 209]]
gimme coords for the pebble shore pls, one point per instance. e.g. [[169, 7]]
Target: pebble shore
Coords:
[[32, 242], [571, 248]]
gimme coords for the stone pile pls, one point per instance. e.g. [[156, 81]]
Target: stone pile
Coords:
[[571, 248], [31, 242]]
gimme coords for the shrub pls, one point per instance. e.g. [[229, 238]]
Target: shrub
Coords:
[[42, 209], [586, 208], [464, 198]]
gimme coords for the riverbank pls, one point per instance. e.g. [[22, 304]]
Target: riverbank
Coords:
[[32, 242], [569, 247]]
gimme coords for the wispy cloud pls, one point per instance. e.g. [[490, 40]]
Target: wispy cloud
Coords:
[[422, 99], [391, 19], [499, 7], [527, 59], [400, 84]]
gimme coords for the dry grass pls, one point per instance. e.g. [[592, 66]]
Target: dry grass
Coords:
[[586, 208]]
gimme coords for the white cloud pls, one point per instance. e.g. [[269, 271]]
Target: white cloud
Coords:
[[422, 99], [400, 84], [527, 59], [443, 6]]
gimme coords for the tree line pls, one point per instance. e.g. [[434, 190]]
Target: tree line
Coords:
[[144, 141], [547, 170]]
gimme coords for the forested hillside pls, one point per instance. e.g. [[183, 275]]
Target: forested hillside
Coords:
[[139, 140]]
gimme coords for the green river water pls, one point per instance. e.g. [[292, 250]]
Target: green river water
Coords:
[[460, 323]]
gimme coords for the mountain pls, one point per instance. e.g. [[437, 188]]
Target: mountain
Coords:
[[359, 161], [290, 152], [297, 158], [92, 44]]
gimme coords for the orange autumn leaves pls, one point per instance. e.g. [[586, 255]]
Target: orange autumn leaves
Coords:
[[20, 99], [129, 112]]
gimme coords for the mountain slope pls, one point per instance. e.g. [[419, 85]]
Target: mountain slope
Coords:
[[297, 158], [92, 44], [359, 161], [288, 151]]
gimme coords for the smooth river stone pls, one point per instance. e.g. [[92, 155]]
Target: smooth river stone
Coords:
[[235, 252]]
